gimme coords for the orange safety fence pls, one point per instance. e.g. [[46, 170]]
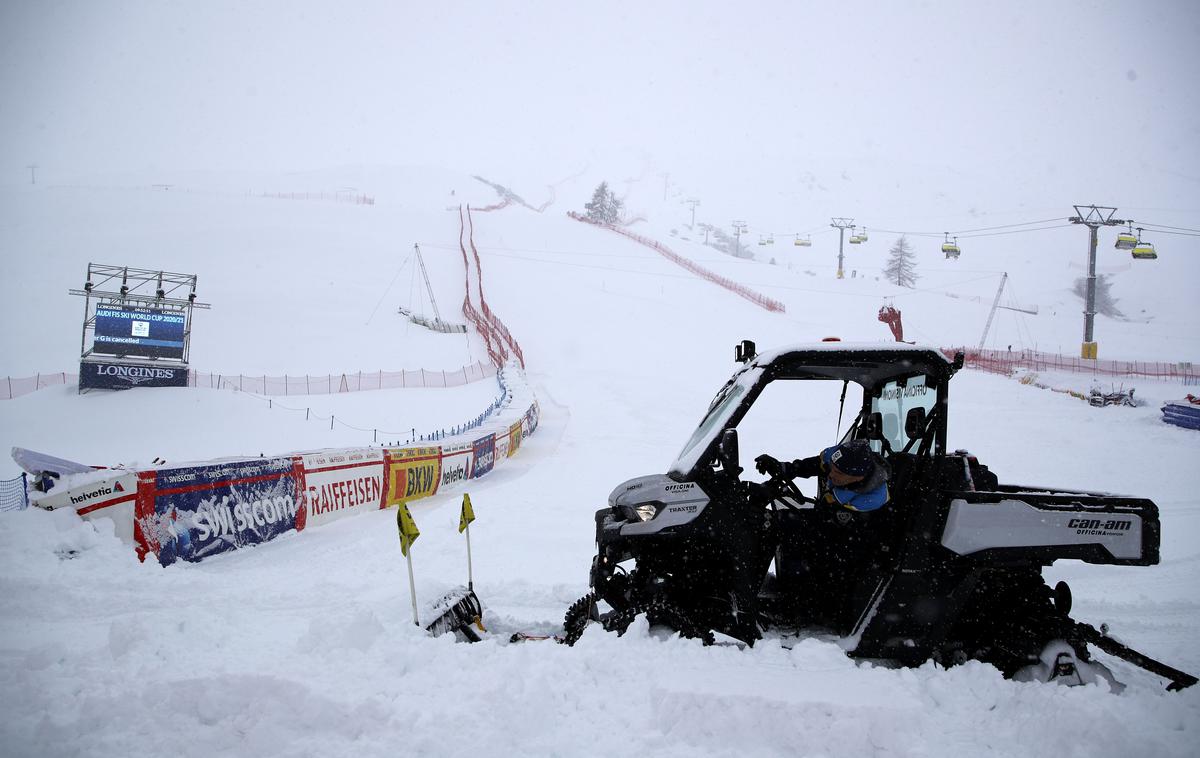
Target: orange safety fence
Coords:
[[738, 289], [288, 384], [1007, 361]]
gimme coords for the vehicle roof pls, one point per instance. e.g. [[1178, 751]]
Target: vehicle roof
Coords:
[[868, 363]]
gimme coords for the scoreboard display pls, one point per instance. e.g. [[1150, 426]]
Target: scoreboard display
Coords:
[[147, 332]]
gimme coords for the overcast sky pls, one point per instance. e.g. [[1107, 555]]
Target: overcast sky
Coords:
[[1040, 99]]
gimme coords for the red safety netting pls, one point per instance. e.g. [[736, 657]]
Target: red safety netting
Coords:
[[496, 337], [23, 385], [1008, 361], [288, 384], [738, 289]]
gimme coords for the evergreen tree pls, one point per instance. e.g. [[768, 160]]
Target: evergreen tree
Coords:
[[613, 208], [1106, 304], [604, 207], [901, 265]]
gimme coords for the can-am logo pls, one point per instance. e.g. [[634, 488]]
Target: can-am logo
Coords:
[[1095, 526], [135, 374]]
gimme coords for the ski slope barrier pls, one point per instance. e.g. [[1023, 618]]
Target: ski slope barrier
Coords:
[[193, 511], [759, 299]]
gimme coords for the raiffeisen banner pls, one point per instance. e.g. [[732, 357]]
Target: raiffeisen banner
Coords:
[[412, 473], [130, 330], [338, 483], [193, 513]]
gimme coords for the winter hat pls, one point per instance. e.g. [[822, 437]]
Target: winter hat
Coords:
[[853, 458]]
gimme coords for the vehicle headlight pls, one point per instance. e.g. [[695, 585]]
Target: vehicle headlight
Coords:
[[646, 511]]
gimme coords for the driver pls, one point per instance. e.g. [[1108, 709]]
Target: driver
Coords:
[[855, 478]]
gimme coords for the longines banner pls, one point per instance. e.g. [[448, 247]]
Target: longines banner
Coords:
[[120, 376]]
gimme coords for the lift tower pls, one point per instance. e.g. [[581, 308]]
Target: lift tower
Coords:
[[1093, 217], [841, 224]]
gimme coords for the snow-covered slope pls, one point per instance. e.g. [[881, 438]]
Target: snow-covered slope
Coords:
[[305, 646]]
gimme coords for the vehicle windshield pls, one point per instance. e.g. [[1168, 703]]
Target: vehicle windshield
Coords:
[[893, 402], [719, 411]]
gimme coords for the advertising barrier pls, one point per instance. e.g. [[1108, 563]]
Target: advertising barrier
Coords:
[[411, 474], [99, 375], [338, 483], [514, 439], [531, 418], [192, 513], [109, 495], [457, 461], [484, 454]]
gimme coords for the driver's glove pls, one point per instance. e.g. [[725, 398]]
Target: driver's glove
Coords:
[[772, 467]]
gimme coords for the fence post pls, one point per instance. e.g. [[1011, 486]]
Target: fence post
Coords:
[[10, 397]]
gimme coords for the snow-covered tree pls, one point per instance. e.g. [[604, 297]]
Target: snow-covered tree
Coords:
[[1106, 304], [604, 207], [901, 266]]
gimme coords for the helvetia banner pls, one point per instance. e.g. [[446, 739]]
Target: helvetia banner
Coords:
[[192, 513], [110, 494], [411, 474], [340, 482], [99, 375], [456, 464]]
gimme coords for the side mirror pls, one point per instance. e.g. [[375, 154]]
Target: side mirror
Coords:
[[914, 423], [744, 351], [727, 452]]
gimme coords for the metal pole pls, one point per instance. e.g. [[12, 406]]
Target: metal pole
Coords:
[[412, 587], [841, 234], [1089, 312], [470, 575]]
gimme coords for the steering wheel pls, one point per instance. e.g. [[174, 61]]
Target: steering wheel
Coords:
[[777, 487]]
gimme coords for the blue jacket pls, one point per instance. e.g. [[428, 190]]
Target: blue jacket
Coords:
[[870, 494]]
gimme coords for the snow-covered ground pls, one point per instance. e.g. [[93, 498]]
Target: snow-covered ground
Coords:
[[305, 646]]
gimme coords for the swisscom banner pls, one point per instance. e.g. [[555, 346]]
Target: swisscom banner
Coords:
[[192, 513], [412, 473], [484, 452], [130, 330], [340, 482]]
